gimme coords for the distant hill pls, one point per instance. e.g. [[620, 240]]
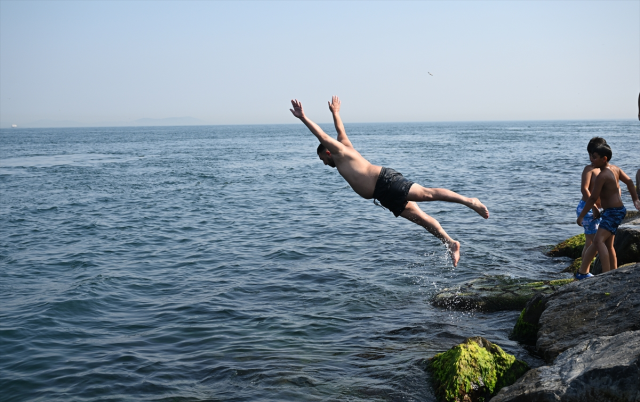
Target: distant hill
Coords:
[[169, 121]]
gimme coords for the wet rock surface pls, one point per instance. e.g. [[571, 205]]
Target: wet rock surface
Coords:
[[602, 369], [495, 293], [604, 305]]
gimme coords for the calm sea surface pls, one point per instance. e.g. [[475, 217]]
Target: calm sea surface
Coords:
[[227, 263]]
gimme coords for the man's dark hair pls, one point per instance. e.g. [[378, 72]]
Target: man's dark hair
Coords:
[[603, 150], [594, 142], [321, 149]]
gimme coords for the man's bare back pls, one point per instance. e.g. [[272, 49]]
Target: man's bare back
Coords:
[[365, 178], [357, 171]]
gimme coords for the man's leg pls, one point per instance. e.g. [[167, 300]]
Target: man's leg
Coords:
[[413, 213], [419, 194]]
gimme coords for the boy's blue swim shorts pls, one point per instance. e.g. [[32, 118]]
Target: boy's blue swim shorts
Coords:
[[589, 224], [612, 217]]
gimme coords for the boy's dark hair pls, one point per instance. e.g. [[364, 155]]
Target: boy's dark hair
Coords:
[[594, 142], [321, 149], [603, 150]]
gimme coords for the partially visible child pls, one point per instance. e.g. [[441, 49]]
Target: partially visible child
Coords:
[[591, 220], [607, 189], [638, 182]]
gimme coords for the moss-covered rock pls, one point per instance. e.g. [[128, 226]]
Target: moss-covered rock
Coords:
[[572, 247], [575, 265], [527, 326], [494, 293], [474, 371], [631, 216]]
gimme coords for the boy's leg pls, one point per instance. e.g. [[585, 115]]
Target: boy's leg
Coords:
[[419, 194], [598, 246], [613, 260], [587, 256], [413, 213], [587, 242]]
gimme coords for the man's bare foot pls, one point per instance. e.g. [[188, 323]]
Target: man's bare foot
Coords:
[[454, 252], [479, 207]]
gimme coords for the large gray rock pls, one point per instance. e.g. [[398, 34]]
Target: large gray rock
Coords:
[[605, 305], [602, 369], [626, 244]]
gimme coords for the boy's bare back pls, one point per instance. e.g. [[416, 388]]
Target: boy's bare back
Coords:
[[610, 193], [589, 176]]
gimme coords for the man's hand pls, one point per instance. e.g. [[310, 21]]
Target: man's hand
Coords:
[[297, 109], [334, 105], [636, 204], [596, 213], [579, 221]]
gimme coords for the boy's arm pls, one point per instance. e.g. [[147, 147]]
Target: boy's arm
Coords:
[[597, 188], [334, 106], [332, 145], [632, 191]]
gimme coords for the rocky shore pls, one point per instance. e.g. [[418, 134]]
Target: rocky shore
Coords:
[[588, 333]]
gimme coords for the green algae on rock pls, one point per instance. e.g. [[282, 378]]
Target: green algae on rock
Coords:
[[575, 265], [474, 371], [572, 247], [524, 331], [528, 324], [494, 293]]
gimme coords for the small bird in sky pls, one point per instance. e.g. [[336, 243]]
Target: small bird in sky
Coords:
[[430, 74]]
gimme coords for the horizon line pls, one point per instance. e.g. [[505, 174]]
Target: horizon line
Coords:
[[329, 122]]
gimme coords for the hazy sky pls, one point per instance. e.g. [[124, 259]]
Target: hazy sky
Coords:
[[241, 62]]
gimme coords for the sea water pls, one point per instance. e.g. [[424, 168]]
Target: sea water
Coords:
[[228, 263]]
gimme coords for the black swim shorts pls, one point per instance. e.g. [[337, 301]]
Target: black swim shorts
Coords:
[[391, 190]]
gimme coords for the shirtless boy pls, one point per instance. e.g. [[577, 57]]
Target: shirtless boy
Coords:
[[592, 218], [394, 192], [607, 189]]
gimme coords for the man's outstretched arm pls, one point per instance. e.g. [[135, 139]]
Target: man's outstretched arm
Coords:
[[334, 106], [332, 145]]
